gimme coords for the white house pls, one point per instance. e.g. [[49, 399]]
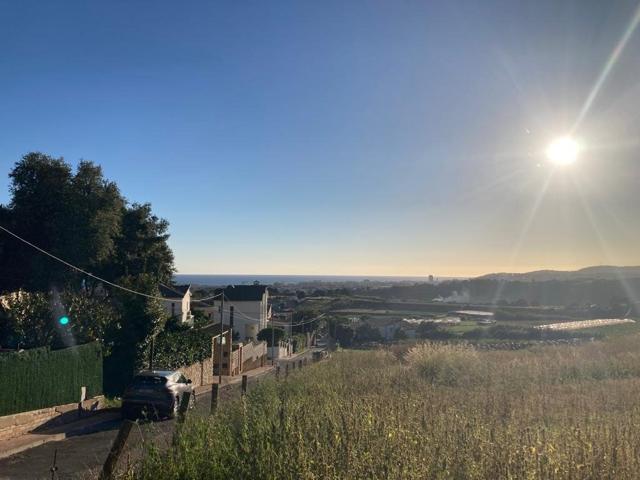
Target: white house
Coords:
[[177, 302], [250, 306]]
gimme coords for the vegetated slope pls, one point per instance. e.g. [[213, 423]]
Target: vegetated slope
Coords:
[[436, 411], [600, 272], [548, 292]]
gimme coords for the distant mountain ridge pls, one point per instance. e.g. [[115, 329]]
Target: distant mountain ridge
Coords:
[[600, 272]]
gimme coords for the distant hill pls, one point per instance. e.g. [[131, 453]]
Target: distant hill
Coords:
[[602, 272]]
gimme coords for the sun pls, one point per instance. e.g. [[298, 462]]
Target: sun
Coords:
[[563, 151]]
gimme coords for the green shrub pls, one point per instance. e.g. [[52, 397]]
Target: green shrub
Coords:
[[271, 333], [299, 341], [180, 348]]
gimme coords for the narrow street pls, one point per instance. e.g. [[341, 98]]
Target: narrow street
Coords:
[[82, 456]]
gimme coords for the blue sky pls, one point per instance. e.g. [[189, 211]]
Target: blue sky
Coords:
[[339, 137]]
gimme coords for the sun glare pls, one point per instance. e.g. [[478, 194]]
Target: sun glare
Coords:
[[563, 151]]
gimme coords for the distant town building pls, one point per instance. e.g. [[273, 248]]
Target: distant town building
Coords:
[[479, 316]]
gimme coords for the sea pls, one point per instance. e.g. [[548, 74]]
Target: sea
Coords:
[[223, 280]]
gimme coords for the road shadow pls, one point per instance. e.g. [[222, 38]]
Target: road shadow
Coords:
[[74, 424]]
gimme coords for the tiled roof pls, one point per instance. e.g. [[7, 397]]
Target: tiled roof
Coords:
[[174, 291], [243, 293]]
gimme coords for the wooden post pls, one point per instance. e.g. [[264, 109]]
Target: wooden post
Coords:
[[299, 363], [116, 450], [214, 397], [278, 372], [293, 365], [184, 406], [221, 337], [83, 397], [244, 385]]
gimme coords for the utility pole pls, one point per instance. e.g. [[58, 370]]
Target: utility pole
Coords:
[[273, 355], [221, 337]]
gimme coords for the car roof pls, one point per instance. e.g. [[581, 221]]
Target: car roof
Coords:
[[157, 373]]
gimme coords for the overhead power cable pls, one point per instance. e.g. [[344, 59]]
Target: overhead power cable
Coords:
[[272, 322], [199, 300], [78, 269], [284, 324]]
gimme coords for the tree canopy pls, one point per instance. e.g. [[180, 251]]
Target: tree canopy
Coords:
[[82, 218]]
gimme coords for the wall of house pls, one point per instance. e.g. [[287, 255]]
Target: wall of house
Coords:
[[177, 306], [186, 307], [246, 328]]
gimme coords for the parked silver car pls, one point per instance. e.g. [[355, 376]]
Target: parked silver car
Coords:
[[156, 393]]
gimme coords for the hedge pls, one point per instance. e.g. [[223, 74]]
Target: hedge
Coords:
[[299, 341], [41, 378], [179, 349]]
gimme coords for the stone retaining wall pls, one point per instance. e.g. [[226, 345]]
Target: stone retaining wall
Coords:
[[200, 373], [20, 423]]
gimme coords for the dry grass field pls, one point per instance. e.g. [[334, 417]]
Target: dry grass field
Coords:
[[433, 411]]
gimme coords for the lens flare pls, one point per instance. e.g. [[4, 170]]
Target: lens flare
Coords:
[[63, 320]]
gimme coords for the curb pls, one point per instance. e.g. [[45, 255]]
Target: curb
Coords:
[[35, 443], [41, 439]]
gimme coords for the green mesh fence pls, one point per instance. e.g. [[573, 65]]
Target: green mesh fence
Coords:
[[42, 378]]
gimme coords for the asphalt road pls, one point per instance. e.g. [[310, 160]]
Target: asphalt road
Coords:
[[82, 456]]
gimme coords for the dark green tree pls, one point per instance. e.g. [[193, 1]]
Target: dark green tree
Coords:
[[94, 217], [142, 246], [367, 333], [265, 335], [40, 189], [345, 334], [127, 339]]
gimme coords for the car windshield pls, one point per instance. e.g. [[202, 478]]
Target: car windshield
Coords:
[[147, 380]]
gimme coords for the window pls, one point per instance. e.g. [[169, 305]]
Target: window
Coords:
[[147, 380]]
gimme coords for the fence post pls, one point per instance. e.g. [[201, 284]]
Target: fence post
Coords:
[[116, 450], [184, 405], [299, 363], [278, 372], [244, 385], [83, 397], [214, 397]]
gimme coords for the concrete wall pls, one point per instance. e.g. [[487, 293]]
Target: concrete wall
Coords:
[[281, 351], [254, 355], [243, 358]]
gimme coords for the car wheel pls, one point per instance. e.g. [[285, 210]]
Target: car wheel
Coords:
[[126, 413]]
